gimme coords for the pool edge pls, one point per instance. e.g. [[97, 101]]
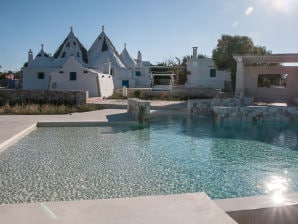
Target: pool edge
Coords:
[[4, 145]]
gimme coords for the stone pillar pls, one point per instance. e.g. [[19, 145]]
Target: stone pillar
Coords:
[[239, 88], [139, 109]]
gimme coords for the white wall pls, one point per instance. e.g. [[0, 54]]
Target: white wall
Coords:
[[106, 85], [144, 80], [97, 84], [199, 74], [31, 81], [85, 82]]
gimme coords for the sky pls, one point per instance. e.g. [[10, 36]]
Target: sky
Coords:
[[160, 29]]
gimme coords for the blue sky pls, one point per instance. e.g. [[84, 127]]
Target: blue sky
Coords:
[[160, 29]]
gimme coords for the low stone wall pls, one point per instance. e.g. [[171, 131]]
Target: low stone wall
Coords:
[[205, 106], [255, 114], [3, 83], [180, 91], [139, 109], [234, 109], [43, 96]]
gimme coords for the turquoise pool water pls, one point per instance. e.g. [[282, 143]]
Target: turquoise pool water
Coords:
[[175, 154]]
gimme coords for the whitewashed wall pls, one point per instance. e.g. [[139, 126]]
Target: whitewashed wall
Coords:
[[86, 80], [199, 74], [106, 85], [31, 81]]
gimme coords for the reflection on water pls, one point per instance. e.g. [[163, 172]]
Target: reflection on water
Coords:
[[276, 186], [172, 155]]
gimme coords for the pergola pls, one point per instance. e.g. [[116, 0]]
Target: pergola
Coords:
[[249, 67], [273, 58]]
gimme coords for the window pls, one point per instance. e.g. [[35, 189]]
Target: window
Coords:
[[125, 83], [40, 75], [72, 76], [272, 80], [212, 72], [138, 73], [63, 54]]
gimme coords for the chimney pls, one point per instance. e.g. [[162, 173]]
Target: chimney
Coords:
[[139, 59], [194, 52], [30, 57]]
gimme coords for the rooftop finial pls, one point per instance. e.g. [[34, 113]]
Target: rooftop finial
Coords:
[[71, 29], [124, 45], [102, 28], [41, 46]]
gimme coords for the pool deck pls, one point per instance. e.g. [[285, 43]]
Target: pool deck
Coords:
[[185, 208], [170, 209]]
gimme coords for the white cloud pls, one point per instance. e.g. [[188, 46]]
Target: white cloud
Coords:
[[249, 10], [235, 24]]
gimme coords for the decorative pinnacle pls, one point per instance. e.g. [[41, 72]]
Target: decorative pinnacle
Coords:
[[71, 29], [102, 28], [125, 45], [41, 46]]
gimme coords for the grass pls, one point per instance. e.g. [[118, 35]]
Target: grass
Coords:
[[33, 109], [160, 96]]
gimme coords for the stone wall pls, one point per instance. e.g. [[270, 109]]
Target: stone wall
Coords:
[[43, 96], [255, 114], [3, 83], [139, 109], [180, 91], [205, 106], [234, 109]]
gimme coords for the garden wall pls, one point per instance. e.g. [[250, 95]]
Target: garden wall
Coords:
[[234, 109], [43, 96], [180, 91], [255, 114], [205, 106]]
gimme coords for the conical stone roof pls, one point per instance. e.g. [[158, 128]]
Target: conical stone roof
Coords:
[[42, 59], [127, 60], [71, 46], [103, 51]]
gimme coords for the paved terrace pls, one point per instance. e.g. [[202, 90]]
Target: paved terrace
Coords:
[[185, 208]]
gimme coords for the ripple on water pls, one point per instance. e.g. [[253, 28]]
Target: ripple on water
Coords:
[[175, 154]]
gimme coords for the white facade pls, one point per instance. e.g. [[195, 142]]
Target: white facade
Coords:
[[202, 73], [95, 69], [73, 76]]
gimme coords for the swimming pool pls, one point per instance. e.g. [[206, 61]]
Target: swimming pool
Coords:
[[174, 154]]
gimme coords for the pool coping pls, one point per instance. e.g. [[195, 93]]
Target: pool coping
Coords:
[[163, 209], [4, 145]]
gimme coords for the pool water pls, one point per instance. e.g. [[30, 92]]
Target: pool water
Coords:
[[174, 154]]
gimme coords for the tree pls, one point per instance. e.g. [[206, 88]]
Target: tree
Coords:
[[186, 57], [227, 46]]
